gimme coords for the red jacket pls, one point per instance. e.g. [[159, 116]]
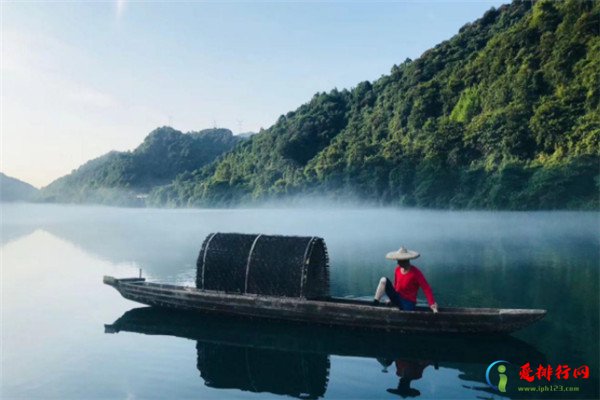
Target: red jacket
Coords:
[[407, 285]]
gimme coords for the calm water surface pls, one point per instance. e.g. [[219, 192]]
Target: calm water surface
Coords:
[[66, 335]]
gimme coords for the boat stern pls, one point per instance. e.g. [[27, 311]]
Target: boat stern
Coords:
[[539, 314], [515, 319], [114, 282], [110, 281]]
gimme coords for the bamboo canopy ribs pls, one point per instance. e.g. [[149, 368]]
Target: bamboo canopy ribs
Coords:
[[286, 278], [288, 266]]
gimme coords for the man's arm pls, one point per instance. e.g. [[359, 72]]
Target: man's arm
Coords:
[[427, 290]]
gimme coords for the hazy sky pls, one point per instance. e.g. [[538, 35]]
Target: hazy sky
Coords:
[[81, 79]]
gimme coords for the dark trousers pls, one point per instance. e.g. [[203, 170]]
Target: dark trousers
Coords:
[[396, 299]]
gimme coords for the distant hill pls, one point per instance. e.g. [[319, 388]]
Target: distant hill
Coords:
[[12, 189], [124, 178], [504, 115]]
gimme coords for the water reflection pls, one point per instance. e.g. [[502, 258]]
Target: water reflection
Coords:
[[474, 259], [407, 371], [294, 359], [297, 374]]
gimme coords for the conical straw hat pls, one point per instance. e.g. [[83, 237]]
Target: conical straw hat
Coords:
[[402, 254]]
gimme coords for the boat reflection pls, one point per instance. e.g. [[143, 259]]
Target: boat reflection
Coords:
[[302, 375], [293, 359]]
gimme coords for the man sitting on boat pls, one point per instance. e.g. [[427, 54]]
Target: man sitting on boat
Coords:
[[408, 280]]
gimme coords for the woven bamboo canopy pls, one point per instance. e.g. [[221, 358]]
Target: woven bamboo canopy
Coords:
[[290, 266]]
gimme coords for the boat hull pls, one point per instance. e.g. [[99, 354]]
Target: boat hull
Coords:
[[354, 314]]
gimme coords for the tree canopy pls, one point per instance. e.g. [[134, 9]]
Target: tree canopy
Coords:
[[504, 115]]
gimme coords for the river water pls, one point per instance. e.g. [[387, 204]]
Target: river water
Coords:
[[66, 335]]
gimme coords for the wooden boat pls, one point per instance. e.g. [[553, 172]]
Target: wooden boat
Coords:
[[287, 278], [326, 311]]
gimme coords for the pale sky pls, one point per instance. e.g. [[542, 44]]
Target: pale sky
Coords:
[[81, 79]]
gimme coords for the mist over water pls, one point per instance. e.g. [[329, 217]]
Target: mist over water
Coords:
[[544, 260]]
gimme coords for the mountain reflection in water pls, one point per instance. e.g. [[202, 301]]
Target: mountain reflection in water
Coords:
[[294, 359]]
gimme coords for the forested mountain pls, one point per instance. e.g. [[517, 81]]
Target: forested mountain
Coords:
[[124, 177], [504, 115], [12, 189]]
